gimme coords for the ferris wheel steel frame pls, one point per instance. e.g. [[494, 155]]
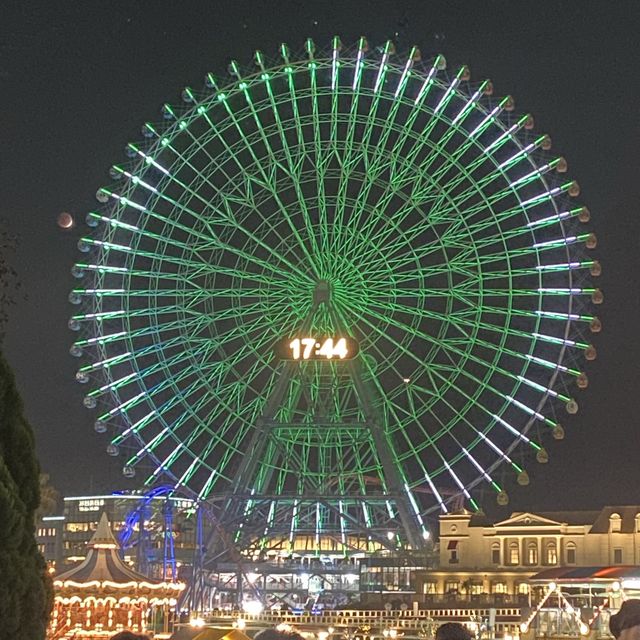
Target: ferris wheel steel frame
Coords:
[[349, 192]]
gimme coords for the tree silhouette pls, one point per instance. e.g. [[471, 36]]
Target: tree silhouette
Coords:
[[26, 591]]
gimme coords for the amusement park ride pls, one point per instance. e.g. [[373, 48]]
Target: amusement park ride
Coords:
[[329, 297]]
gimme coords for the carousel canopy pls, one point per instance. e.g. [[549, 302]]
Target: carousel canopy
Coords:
[[103, 568]]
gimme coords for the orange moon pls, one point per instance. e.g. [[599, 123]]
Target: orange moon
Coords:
[[65, 220]]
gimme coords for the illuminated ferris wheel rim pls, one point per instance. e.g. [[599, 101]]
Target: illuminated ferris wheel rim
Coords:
[[401, 83]]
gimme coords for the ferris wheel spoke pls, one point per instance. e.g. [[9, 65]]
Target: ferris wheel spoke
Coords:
[[506, 399], [350, 159], [294, 168], [479, 436], [490, 368], [445, 466], [321, 162], [371, 168], [375, 166], [375, 170], [498, 420], [292, 172], [460, 320], [407, 176], [513, 187], [498, 350], [186, 420], [231, 449], [128, 335], [267, 183], [206, 243], [229, 216]]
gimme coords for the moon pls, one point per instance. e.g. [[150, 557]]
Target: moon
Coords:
[[65, 220]]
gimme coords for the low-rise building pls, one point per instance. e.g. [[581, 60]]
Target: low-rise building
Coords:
[[484, 561], [151, 530]]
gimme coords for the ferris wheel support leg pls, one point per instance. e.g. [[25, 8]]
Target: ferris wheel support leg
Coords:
[[261, 435], [383, 451], [196, 588]]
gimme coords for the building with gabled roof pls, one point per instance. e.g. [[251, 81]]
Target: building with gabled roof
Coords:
[[492, 561]]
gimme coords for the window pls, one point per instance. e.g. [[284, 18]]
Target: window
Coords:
[[551, 553], [451, 586], [571, 553], [522, 588], [452, 547], [514, 553], [495, 553], [430, 588], [475, 588], [498, 587], [615, 523], [617, 556], [532, 553]]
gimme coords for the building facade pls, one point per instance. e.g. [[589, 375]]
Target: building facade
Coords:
[[484, 561], [150, 530]]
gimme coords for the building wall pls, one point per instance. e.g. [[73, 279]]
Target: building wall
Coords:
[[479, 558], [63, 539], [49, 531]]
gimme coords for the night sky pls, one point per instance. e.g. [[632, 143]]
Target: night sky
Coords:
[[79, 78]]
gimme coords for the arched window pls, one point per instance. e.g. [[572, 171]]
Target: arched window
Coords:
[[551, 552], [499, 587], [532, 553], [571, 552], [615, 523], [495, 553], [514, 553]]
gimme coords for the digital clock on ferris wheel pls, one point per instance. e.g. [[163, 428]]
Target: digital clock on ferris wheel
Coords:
[[314, 348]]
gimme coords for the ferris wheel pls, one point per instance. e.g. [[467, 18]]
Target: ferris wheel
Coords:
[[341, 288]]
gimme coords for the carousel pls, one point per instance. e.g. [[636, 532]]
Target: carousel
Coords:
[[102, 595]]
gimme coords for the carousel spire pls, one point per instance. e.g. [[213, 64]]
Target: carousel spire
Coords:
[[103, 538]]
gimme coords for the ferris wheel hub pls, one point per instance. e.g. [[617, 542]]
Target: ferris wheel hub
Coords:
[[322, 292]]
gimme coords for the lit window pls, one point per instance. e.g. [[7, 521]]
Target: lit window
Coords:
[[552, 553], [499, 587], [532, 553], [451, 586], [514, 553], [430, 588], [522, 588]]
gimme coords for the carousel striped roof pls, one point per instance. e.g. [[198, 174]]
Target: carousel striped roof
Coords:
[[103, 564]]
